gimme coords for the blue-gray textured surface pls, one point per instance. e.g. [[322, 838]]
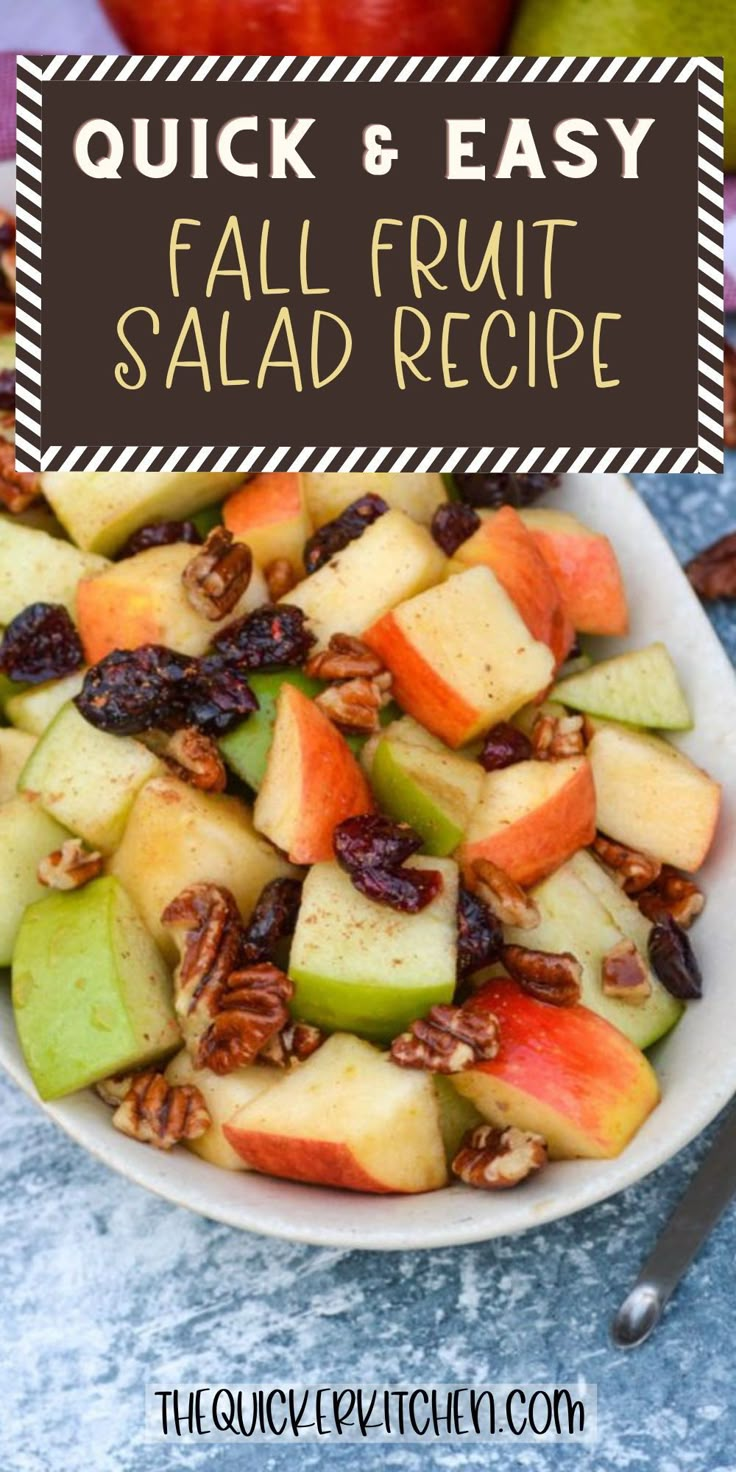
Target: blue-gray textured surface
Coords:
[[105, 1287]]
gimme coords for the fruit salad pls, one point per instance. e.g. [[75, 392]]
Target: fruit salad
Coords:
[[335, 845]]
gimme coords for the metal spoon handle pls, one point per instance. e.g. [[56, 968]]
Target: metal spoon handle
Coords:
[[704, 1201]]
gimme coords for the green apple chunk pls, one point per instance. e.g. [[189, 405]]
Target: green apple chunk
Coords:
[[87, 779], [34, 709], [100, 510], [91, 994], [246, 748], [27, 835], [365, 968], [33, 565], [640, 688], [434, 791], [584, 911], [15, 749]]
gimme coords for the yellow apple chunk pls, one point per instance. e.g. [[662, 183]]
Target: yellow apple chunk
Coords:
[[461, 656], [224, 1096], [650, 796], [270, 514], [101, 509], [418, 495], [348, 1118], [15, 749], [33, 564], [531, 817]]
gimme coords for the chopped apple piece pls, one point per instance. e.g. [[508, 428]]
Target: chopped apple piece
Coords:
[[224, 1096], [393, 559], [142, 600], [87, 779], [270, 514], [532, 816], [362, 966], [177, 836], [348, 1118], [640, 687], [312, 781], [650, 796], [27, 835], [435, 791], [31, 561], [247, 746], [457, 1115], [585, 568], [35, 708], [101, 509], [563, 1072], [15, 749], [418, 495], [503, 543], [461, 656], [91, 994], [584, 911]]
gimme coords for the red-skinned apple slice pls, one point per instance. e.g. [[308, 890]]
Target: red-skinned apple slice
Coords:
[[585, 569], [270, 514], [348, 1117], [532, 817], [312, 781], [562, 1071]]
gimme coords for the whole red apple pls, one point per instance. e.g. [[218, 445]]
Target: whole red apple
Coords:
[[311, 27]]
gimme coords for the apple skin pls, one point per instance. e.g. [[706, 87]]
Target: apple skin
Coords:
[[585, 569], [310, 27], [651, 796], [538, 841], [562, 1071], [270, 514], [434, 792]]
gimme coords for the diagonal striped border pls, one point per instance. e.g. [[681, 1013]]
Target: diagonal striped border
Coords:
[[707, 456]]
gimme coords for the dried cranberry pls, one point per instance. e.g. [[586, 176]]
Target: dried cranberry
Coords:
[[160, 534], [503, 490], [347, 527], [7, 388], [479, 934], [275, 634], [134, 690], [273, 919], [407, 890], [504, 746], [452, 524], [222, 697], [40, 644], [374, 842], [673, 960]]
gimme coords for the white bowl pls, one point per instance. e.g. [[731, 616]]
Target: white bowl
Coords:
[[696, 1064]]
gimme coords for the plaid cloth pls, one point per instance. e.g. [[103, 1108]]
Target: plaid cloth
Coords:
[[7, 150]]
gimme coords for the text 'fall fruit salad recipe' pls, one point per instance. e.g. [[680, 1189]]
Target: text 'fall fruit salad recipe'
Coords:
[[330, 847]]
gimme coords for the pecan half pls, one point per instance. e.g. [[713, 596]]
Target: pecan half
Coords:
[[624, 974], [250, 1007], [504, 897], [195, 758], [70, 866], [345, 658], [295, 1042], [355, 705], [217, 576], [494, 1159], [160, 1113], [729, 396], [673, 895], [206, 926], [280, 578], [113, 1090], [713, 572], [544, 975], [555, 737], [18, 488], [448, 1040], [631, 870]]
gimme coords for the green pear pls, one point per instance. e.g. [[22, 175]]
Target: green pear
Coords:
[[634, 28], [434, 791], [91, 993], [640, 688]]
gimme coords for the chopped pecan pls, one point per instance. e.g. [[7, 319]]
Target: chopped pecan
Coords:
[[18, 488], [217, 576], [729, 396], [675, 895], [207, 928], [113, 1090], [632, 870], [556, 737], [713, 572], [544, 975], [70, 866], [280, 578], [448, 1040], [355, 704], [503, 896], [345, 658], [160, 1113], [249, 1008], [195, 757], [295, 1042], [493, 1159], [624, 973]]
